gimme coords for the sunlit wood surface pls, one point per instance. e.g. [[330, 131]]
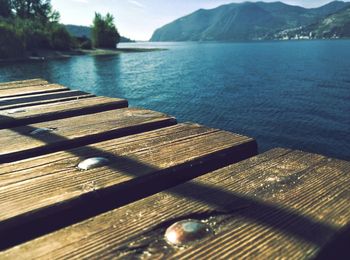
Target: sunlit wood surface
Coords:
[[281, 204]]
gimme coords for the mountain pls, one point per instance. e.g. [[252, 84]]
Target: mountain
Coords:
[[333, 26], [244, 21], [336, 25], [80, 31]]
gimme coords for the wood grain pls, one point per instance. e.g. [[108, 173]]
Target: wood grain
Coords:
[[22, 83], [282, 204], [35, 114], [40, 99], [40, 189], [30, 90], [76, 131]]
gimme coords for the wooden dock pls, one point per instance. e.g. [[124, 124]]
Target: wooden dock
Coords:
[[150, 173]]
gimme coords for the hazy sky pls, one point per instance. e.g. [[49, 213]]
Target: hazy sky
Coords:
[[137, 19]]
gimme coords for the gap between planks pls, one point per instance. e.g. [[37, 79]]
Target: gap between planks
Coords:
[[40, 99]]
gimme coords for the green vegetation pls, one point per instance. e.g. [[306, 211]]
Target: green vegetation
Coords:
[[79, 31], [11, 45], [104, 32], [27, 25], [60, 38], [5, 8]]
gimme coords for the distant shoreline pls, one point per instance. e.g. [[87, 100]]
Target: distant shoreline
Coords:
[[42, 55], [253, 41]]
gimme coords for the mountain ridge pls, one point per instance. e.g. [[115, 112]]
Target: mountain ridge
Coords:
[[243, 21]]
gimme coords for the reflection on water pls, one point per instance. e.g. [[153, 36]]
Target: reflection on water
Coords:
[[286, 94]]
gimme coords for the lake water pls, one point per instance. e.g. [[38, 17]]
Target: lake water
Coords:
[[284, 94]]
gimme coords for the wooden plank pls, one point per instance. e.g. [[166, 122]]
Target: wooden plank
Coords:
[[35, 114], [23, 83], [279, 205], [30, 90], [67, 133], [50, 189], [40, 99]]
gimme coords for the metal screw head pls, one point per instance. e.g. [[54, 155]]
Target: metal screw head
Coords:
[[187, 231], [92, 163], [43, 130]]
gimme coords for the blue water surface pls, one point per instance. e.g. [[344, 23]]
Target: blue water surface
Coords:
[[292, 94]]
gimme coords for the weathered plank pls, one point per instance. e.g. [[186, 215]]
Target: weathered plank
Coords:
[[23, 83], [35, 114], [40, 99], [56, 135], [43, 189], [279, 205], [30, 90]]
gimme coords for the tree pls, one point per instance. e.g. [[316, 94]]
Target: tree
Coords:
[[10, 43], [33, 9], [60, 38], [29, 25], [5, 8], [104, 32]]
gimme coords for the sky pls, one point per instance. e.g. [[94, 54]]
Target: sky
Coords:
[[138, 19]]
